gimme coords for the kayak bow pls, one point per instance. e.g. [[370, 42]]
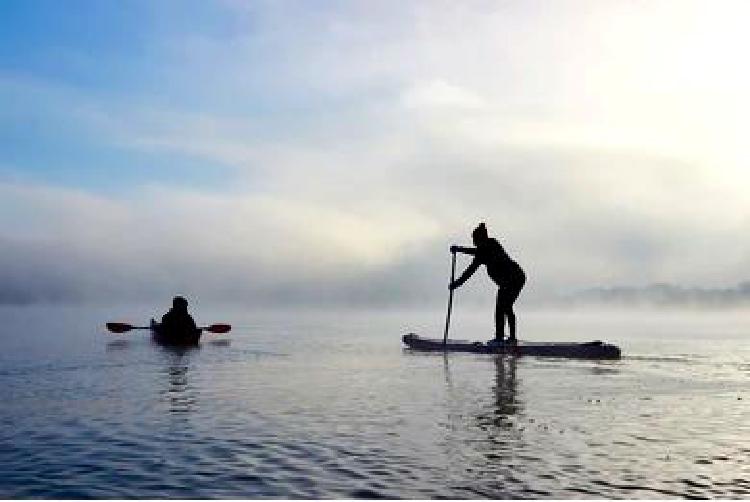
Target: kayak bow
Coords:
[[164, 337]]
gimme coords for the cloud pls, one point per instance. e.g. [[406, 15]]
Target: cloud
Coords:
[[357, 146], [440, 94], [69, 244]]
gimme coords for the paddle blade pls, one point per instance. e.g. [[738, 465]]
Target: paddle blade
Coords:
[[119, 327], [218, 328]]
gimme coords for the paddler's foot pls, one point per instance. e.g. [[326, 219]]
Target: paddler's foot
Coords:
[[512, 341], [495, 342]]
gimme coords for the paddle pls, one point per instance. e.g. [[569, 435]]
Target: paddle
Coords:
[[121, 327], [450, 299]]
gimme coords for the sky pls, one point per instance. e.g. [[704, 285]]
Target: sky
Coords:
[[329, 152]]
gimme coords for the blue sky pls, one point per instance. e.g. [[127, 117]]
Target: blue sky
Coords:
[[63, 63], [333, 150], [58, 57]]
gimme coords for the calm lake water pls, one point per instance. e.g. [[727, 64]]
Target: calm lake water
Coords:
[[329, 405]]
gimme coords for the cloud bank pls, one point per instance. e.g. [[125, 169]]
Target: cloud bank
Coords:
[[348, 147]]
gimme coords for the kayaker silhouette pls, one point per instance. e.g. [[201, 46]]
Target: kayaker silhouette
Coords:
[[178, 322], [504, 271]]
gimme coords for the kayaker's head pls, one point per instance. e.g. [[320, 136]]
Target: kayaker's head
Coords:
[[479, 235], [179, 303]]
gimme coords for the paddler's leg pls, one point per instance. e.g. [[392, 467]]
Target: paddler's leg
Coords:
[[511, 323], [504, 309], [499, 316], [511, 295]]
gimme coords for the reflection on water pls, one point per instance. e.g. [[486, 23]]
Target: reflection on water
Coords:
[[504, 391], [505, 386], [118, 344], [335, 409], [221, 342], [497, 440], [182, 398]]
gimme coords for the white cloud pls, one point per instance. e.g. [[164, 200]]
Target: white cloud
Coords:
[[440, 94], [603, 143]]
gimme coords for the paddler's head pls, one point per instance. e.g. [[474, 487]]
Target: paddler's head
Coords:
[[179, 303], [479, 235]]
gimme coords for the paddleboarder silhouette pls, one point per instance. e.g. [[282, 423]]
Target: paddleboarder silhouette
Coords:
[[503, 270]]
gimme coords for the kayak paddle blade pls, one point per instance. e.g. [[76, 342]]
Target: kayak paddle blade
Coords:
[[218, 328], [119, 327]]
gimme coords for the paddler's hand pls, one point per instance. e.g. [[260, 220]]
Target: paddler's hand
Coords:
[[454, 249], [453, 285]]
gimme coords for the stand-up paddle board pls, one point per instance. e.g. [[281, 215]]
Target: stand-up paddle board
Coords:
[[585, 350]]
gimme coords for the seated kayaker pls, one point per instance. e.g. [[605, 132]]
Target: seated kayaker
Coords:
[[505, 272], [177, 321]]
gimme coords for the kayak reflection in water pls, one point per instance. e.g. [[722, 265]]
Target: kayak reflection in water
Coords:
[[177, 321], [504, 271]]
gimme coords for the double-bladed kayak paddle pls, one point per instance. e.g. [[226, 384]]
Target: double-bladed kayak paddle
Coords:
[[122, 327]]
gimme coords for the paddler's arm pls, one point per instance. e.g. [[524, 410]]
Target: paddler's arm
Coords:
[[191, 321], [467, 273], [461, 249]]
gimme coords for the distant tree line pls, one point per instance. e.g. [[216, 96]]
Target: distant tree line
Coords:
[[662, 294]]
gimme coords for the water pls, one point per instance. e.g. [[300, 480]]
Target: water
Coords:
[[328, 405]]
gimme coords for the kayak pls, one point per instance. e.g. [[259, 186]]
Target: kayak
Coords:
[[164, 337], [582, 350]]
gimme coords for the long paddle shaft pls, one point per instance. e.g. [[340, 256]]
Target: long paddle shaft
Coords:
[[121, 327], [450, 299]]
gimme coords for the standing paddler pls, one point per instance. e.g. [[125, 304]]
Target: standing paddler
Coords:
[[503, 270]]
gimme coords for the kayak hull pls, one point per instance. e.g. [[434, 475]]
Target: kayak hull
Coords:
[[587, 350], [182, 339]]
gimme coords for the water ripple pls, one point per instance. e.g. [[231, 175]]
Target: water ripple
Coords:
[[292, 412]]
